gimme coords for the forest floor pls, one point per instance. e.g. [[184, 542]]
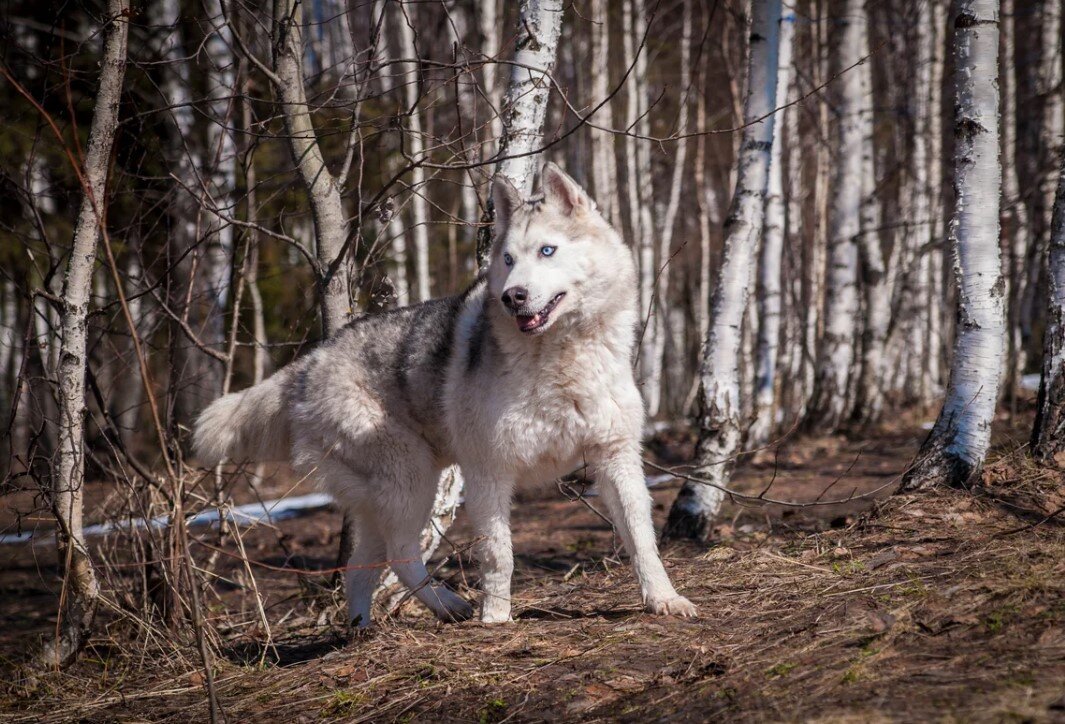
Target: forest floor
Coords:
[[946, 606]]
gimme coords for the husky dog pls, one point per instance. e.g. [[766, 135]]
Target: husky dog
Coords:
[[523, 378]]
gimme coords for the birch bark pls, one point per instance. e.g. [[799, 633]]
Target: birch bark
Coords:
[[836, 355], [1016, 231], [720, 425], [955, 450], [80, 588], [323, 188], [524, 107], [604, 162], [770, 275], [1048, 434], [415, 149], [659, 330], [869, 393]]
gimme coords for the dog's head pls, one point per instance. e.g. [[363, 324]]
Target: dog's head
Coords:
[[556, 257]]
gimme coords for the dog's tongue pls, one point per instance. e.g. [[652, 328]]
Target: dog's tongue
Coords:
[[526, 322]]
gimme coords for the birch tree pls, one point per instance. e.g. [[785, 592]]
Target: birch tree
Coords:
[[640, 198], [525, 103], [658, 331], [869, 392], [1048, 434], [604, 163], [769, 270], [391, 225], [957, 445], [1016, 230], [415, 145], [721, 427], [836, 356], [80, 588], [321, 186]]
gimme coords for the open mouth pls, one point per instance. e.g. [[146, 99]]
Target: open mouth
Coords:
[[531, 323]]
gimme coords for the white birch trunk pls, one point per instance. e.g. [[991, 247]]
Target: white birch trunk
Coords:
[[222, 158], [869, 393], [836, 356], [770, 271], [1052, 126], [415, 149], [604, 162], [640, 191], [633, 26], [525, 104], [720, 425], [465, 92], [323, 189], [392, 227], [956, 448], [489, 25], [1048, 434], [658, 331], [1014, 213], [524, 107], [80, 589], [937, 282]]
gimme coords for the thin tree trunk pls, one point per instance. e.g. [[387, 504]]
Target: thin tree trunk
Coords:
[[937, 282], [391, 227], [836, 356], [641, 197], [869, 393], [415, 148], [1041, 66], [488, 23], [80, 589], [770, 275], [653, 391], [465, 93], [954, 452], [1015, 227], [720, 425], [604, 161], [323, 189], [1048, 434]]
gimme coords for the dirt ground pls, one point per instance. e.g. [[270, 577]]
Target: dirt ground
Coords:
[[946, 606]]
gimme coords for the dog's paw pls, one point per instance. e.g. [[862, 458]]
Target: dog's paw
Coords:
[[457, 611], [496, 614], [673, 606], [494, 620]]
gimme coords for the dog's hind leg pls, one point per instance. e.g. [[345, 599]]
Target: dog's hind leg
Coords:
[[405, 558], [401, 515], [365, 566]]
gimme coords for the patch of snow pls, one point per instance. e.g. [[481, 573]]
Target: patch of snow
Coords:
[[270, 511]]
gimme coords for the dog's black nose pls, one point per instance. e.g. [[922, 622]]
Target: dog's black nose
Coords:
[[514, 297]]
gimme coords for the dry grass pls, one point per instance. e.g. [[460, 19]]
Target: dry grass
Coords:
[[946, 606]]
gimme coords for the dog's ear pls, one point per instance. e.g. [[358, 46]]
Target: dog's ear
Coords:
[[563, 191], [506, 199]]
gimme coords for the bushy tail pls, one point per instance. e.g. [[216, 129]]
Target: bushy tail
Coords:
[[251, 425]]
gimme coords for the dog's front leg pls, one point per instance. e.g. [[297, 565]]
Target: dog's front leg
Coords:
[[488, 503], [619, 473]]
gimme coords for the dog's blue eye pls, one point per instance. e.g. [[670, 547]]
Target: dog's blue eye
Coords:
[[508, 260], [547, 250]]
